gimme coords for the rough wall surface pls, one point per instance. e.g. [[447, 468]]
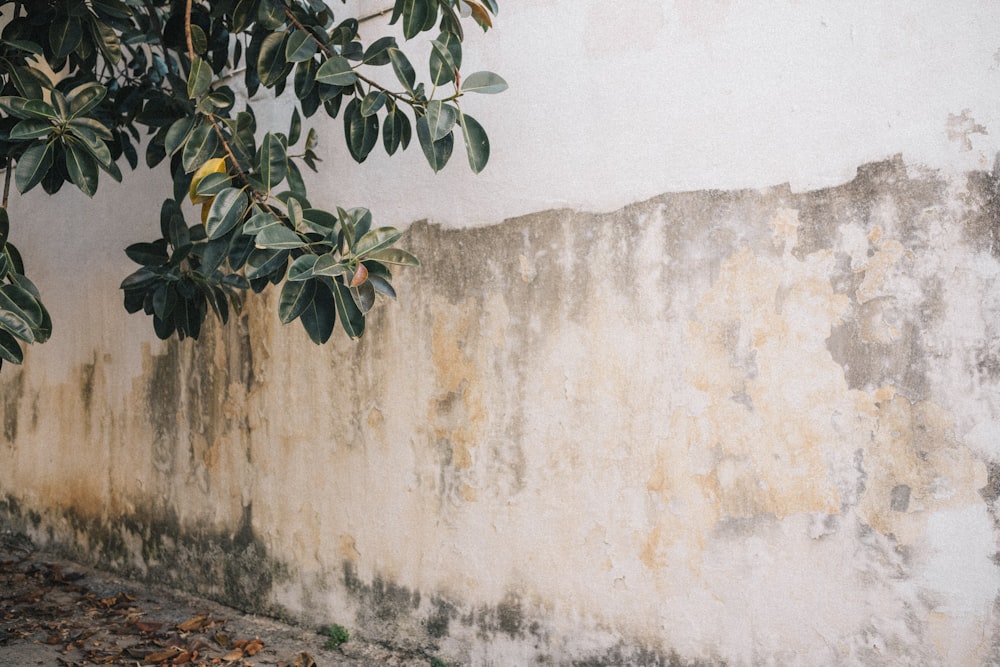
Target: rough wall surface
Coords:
[[718, 427]]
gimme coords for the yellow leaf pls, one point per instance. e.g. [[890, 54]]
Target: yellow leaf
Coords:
[[215, 165]]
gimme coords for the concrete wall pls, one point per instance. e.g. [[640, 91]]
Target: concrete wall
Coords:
[[724, 391]]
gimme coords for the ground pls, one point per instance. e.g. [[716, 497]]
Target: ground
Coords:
[[56, 612]]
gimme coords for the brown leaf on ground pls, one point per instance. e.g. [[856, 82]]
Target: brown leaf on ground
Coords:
[[193, 624]]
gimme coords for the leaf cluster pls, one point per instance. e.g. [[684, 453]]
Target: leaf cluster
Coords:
[[87, 83]]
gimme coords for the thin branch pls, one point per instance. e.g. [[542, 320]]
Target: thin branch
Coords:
[[6, 180], [187, 30], [259, 197]]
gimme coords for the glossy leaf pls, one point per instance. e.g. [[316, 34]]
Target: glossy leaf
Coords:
[[10, 349], [226, 212], [376, 239], [319, 316], [441, 119], [351, 317], [278, 237], [300, 46], [477, 144], [445, 58], [302, 267], [33, 165], [377, 52], [272, 161], [361, 132], [295, 297], [437, 152], [394, 256], [200, 78], [403, 69], [336, 71]]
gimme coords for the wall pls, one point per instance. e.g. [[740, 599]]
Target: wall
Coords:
[[703, 369]]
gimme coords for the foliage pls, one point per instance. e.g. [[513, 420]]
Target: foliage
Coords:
[[336, 635], [85, 84]]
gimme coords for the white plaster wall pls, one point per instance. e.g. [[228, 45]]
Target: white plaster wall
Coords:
[[626, 524]]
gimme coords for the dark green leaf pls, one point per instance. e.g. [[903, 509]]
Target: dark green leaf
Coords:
[[336, 71], [376, 239], [178, 134], [415, 14], [300, 46], [200, 78], [278, 237], [64, 35], [32, 166], [436, 152], [294, 128], [272, 162], [226, 212], [198, 40], [329, 265], [445, 59], [271, 64], [394, 256], [377, 52], [301, 268], [200, 147], [10, 349], [319, 315], [264, 262], [212, 184], [295, 297], [352, 319], [148, 254], [361, 132], [441, 119], [403, 69], [85, 97], [31, 129], [477, 144]]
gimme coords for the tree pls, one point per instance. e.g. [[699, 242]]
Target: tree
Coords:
[[84, 80]]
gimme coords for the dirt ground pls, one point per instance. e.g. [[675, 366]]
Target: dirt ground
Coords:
[[55, 612]]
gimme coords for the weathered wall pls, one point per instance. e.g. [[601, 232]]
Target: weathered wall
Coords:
[[741, 427], [735, 423]]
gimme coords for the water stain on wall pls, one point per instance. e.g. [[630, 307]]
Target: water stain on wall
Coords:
[[581, 438]]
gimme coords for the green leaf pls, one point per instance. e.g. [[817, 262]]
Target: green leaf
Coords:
[[212, 184], [148, 254], [300, 46], [278, 237], [198, 39], [336, 71], [394, 256], [178, 134], [271, 64], [436, 152], [486, 83], [85, 97], [352, 319], [372, 102], [441, 119], [226, 212], [200, 147], [302, 267], [107, 41], [363, 296], [319, 221], [396, 130], [319, 315], [263, 262], [361, 132], [200, 78], [29, 81], [295, 297], [4, 229], [14, 321], [376, 239], [445, 58], [92, 125], [272, 161], [295, 127], [10, 349], [415, 14], [329, 265], [377, 52], [64, 35], [26, 302], [258, 221], [403, 69], [31, 129], [477, 144], [19, 107], [32, 166], [81, 167]]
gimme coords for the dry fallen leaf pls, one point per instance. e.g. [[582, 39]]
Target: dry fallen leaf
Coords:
[[192, 624]]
